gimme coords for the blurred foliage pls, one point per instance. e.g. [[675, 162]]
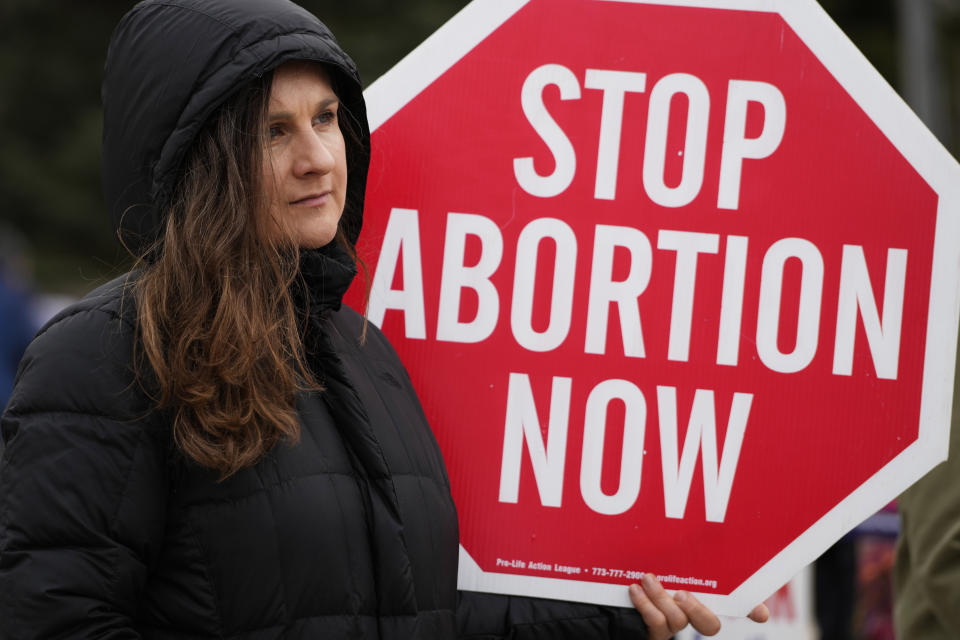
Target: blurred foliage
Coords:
[[872, 25], [51, 57], [951, 56]]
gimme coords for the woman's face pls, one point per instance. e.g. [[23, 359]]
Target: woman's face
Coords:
[[305, 166]]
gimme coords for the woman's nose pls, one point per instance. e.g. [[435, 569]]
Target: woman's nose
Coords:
[[313, 156]]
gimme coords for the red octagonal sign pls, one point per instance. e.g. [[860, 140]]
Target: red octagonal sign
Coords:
[[676, 282]]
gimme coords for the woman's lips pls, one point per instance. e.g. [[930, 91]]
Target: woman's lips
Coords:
[[315, 200]]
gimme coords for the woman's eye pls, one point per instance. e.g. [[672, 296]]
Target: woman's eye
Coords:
[[274, 131], [326, 117]]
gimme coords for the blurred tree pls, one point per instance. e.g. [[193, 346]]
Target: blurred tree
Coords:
[[378, 33], [950, 54], [872, 26], [51, 57]]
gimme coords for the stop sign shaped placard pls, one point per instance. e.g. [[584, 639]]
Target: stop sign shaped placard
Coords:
[[676, 282]]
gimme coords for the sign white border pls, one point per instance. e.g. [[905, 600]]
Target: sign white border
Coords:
[[921, 149]]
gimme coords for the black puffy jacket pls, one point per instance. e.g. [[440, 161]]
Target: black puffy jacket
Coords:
[[107, 531]]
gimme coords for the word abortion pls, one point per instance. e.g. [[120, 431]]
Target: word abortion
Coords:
[[401, 249]]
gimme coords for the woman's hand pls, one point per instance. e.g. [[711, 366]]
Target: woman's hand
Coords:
[[666, 615]]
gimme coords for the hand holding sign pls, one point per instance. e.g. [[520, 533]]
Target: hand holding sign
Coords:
[[665, 615]]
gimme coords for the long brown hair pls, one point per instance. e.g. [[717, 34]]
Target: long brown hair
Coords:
[[218, 326]]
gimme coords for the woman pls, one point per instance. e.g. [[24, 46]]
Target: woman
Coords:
[[212, 446]]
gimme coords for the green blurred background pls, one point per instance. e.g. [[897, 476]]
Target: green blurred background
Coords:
[[51, 56]]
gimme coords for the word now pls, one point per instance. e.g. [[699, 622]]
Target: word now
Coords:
[[615, 85], [548, 460], [857, 298]]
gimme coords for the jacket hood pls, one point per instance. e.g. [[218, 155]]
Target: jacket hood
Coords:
[[170, 64]]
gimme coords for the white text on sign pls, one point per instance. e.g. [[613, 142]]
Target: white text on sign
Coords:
[[615, 85], [653, 254], [857, 297], [549, 459]]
